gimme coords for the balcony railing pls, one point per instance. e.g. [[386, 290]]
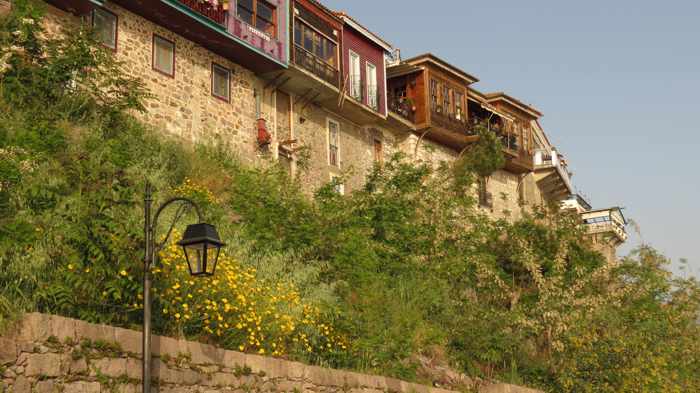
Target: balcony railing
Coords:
[[449, 121], [215, 12], [356, 89], [316, 66], [403, 107], [373, 97]]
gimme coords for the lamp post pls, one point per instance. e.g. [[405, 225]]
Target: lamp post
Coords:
[[201, 245]]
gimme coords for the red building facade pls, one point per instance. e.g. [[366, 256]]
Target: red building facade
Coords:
[[364, 65]]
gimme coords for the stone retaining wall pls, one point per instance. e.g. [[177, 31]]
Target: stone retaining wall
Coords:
[[47, 353]]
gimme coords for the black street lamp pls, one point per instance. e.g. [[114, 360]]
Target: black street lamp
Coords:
[[201, 245]]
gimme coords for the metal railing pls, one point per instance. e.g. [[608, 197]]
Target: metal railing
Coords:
[[373, 97], [315, 65], [215, 12], [356, 89]]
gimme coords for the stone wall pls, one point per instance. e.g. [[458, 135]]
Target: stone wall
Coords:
[[356, 148], [183, 107], [46, 354]]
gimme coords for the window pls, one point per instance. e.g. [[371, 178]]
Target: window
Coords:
[[314, 42], [355, 78], [485, 197], [163, 55], [258, 13], [220, 82], [338, 185], [378, 152], [372, 90], [446, 100], [105, 25], [434, 95], [459, 112], [333, 143]]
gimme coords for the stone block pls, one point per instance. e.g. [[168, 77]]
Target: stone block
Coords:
[[129, 340], [82, 387], [505, 388], [34, 327], [190, 377], [134, 368], [9, 373], [275, 368], [165, 346], [323, 376], [233, 359], [352, 380], [223, 379], [77, 367], [296, 370], [162, 372], [109, 367], [128, 388], [21, 385], [62, 328], [416, 388], [93, 332], [395, 385], [45, 387], [205, 354], [8, 351], [45, 364], [255, 362]]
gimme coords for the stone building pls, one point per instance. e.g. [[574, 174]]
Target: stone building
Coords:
[[294, 81]]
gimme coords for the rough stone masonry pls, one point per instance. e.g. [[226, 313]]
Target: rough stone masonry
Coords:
[[46, 353]]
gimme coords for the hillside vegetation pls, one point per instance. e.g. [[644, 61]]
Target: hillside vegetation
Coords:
[[395, 278]]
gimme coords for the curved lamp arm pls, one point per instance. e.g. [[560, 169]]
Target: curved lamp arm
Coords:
[[179, 214], [151, 223]]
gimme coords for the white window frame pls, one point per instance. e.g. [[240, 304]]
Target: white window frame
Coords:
[[355, 89], [372, 99], [328, 142]]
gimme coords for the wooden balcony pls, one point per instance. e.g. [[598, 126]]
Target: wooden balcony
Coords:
[[215, 12], [518, 161], [314, 65], [449, 122]]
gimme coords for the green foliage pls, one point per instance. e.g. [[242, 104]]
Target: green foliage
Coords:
[[403, 269], [482, 158]]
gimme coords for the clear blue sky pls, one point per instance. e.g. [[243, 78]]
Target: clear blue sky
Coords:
[[618, 83]]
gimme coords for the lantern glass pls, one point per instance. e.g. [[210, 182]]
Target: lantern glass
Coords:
[[201, 245]]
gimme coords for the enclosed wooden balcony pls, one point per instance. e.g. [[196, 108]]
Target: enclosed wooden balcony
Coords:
[[431, 94]]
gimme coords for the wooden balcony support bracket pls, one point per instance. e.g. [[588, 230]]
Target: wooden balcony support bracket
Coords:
[[301, 99], [273, 82], [310, 100], [418, 142]]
